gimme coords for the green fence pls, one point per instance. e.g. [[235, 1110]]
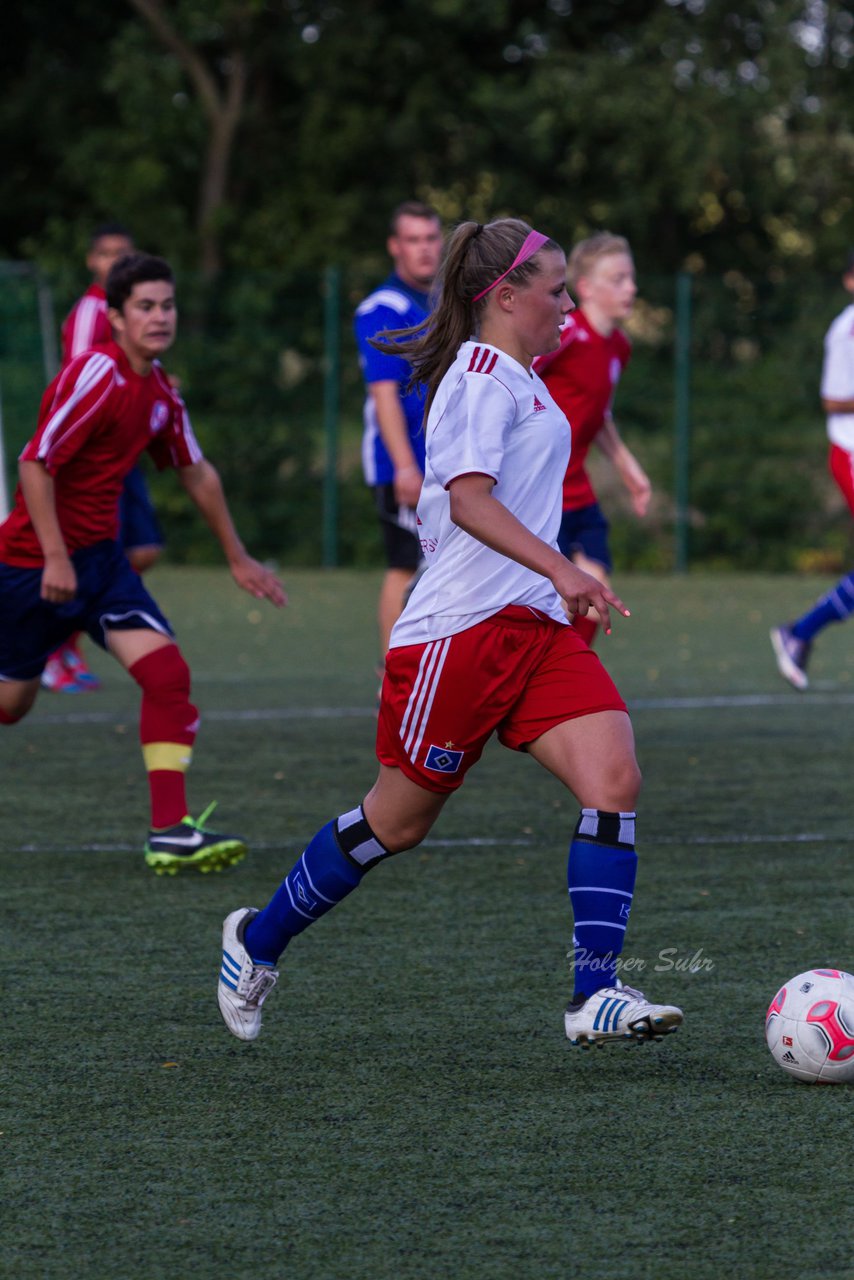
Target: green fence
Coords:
[[720, 403]]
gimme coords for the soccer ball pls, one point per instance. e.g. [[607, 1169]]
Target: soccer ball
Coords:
[[809, 1027]]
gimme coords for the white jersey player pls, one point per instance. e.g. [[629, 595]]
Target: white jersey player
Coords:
[[792, 641], [484, 645]]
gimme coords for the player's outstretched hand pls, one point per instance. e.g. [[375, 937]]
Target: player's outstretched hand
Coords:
[[580, 592], [259, 581]]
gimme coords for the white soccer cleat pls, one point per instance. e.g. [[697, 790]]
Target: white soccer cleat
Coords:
[[619, 1014], [243, 985], [792, 656]]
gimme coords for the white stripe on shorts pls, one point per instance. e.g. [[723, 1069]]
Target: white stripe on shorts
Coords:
[[423, 692]]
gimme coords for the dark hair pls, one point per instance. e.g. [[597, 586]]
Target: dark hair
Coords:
[[109, 229], [849, 263], [474, 258], [411, 209], [134, 268]]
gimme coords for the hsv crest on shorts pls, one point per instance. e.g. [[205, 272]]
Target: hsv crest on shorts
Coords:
[[443, 760]]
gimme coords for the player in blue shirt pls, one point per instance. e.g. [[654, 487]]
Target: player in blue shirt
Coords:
[[393, 442]]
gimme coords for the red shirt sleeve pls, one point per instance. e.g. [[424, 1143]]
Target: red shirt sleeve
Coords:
[[86, 326], [72, 407], [176, 445]]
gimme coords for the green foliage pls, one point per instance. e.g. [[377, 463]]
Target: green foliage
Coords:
[[720, 130], [718, 137]]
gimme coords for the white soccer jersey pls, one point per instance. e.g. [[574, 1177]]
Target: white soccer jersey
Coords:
[[837, 377], [490, 416]]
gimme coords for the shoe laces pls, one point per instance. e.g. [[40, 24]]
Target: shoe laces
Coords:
[[258, 984], [198, 824], [631, 992]]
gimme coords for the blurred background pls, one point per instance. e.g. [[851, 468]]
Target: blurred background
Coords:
[[261, 145]]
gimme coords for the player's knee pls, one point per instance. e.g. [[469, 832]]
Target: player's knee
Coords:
[[163, 674], [143, 558], [626, 782], [16, 702], [406, 835]]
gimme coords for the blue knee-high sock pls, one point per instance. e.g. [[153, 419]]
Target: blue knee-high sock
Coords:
[[836, 606], [331, 867], [601, 879]]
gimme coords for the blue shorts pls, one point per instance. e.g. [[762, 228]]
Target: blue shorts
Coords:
[[138, 523], [110, 597], [585, 530]]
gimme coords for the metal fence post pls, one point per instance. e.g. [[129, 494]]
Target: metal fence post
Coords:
[[47, 324], [682, 416], [331, 383]]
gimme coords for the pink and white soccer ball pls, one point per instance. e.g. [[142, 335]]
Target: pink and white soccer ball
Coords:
[[809, 1027]]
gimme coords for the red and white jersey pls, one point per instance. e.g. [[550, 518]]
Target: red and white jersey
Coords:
[[582, 375], [837, 377], [492, 417], [96, 418], [86, 325]]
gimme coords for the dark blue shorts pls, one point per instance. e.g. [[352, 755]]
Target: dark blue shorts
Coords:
[[585, 530], [138, 523], [110, 597], [399, 530]]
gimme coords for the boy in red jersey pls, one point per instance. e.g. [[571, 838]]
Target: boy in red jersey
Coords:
[[582, 376], [85, 327], [62, 568]]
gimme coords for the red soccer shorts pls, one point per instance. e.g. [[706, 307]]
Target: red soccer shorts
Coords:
[[518, 672], [842, 469]]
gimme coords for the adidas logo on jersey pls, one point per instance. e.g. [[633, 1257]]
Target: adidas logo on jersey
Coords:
[[539, 407]]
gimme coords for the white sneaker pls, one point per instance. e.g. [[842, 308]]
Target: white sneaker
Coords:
[[792, 656], [619, 1013], [243, 985]]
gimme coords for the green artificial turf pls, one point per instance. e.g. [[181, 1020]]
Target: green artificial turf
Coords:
[[413, 1108]]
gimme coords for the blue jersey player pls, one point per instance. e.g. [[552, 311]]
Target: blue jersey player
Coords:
[[393, 442]]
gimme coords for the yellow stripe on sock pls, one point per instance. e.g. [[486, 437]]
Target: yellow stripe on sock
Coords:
[[173, 756]]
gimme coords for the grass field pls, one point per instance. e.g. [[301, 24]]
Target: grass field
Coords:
[[412, 1109]]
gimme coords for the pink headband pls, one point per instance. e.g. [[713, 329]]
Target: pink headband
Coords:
[[532, 244]]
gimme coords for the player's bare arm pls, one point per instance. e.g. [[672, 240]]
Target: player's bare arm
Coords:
[[837, 406], [395, 436], [203, 485], [611, 444], [475, 509], [59, 580]]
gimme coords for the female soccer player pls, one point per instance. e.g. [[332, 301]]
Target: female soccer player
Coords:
[[582, 377], [483, 644]]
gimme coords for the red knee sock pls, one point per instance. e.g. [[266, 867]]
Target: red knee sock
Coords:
[[6, 717], [167, 729]]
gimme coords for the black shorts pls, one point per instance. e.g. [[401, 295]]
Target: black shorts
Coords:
[[399, 530], [110, 597]]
